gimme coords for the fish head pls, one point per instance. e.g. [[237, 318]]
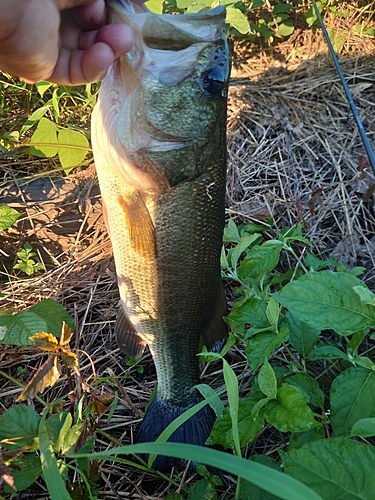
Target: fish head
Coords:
[[168, 93]]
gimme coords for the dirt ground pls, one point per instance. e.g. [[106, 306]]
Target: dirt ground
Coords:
[[294, 154]]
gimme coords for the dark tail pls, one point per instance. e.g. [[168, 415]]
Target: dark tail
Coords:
[[194, 431]]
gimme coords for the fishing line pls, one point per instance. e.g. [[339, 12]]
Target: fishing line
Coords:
[[353, 107]]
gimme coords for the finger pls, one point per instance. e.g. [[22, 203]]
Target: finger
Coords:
[[118, 36], [75, 67]]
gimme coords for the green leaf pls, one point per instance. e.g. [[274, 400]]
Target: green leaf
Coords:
[[19, 425], [327, 300], [253, 492], [249, 310], [310, 386], [174, 496], [260, 259], [45, 139], [273, 312], [248, 427], [267, 380], [8, 216], [54, 314], [365, 295], [51, 472], [202, 490], [326, 352], [316, 264], [33, 119], [155, 6], [231, 233], [62, 434], [242, 245], [290, 412], [236, 19], [365, 427], [337, 469], [262, 346], [298, 439], [42, 87], [20, 326], [285, 29], [302, 336], [352, 398], [28, 470], [73, 147], [286, 487]]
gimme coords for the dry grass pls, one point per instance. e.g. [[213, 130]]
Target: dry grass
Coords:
[[293, 155]]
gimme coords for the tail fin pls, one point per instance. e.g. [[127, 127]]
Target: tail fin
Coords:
[[194, 431]]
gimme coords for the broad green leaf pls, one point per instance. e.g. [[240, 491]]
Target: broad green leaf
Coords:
[[298, 439], [242, 245], [8, 216], [155, 6], [284, 29], [231, 232], [57, 426], [326, 352], [282, 7], [51, 472], [248, 427], [237, 20], [202, 490], [249, 310], [365, 295], [365, 427], [253, 492], [44, 139], [42, 87], [20, 327], [73, 147], [262, 346], [290, 412], [260, 260], [337, 469], [174, 496], [273, 312], [286, 487], [28, 470], [352, 398], [316, 264], [196, 7], [231, 383], [33, 119], [54, 314], [310, 386], [267, 380], [327, 300], [302, 336], [19, 426]]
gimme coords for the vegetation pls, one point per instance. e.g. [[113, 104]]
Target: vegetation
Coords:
[[305, 325]]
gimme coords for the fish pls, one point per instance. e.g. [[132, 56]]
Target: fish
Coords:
[[159, 144]]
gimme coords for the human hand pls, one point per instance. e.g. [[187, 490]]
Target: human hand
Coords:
[[63, 41]]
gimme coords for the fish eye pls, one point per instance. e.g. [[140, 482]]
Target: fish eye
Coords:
[[213, 81]]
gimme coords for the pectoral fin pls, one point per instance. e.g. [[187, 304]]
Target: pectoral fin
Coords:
[[128, 340], [140, 226], [215, 334]]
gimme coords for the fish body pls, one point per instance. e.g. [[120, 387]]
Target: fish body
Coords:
[[158, 135]]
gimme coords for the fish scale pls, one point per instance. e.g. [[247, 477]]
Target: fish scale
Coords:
[[158, 135]]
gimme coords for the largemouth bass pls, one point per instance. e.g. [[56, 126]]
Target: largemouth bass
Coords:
[[158, 135]]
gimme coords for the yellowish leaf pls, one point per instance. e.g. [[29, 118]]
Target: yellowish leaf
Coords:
[[45, 341], [66, 334], [46, 376], [68, 357]]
